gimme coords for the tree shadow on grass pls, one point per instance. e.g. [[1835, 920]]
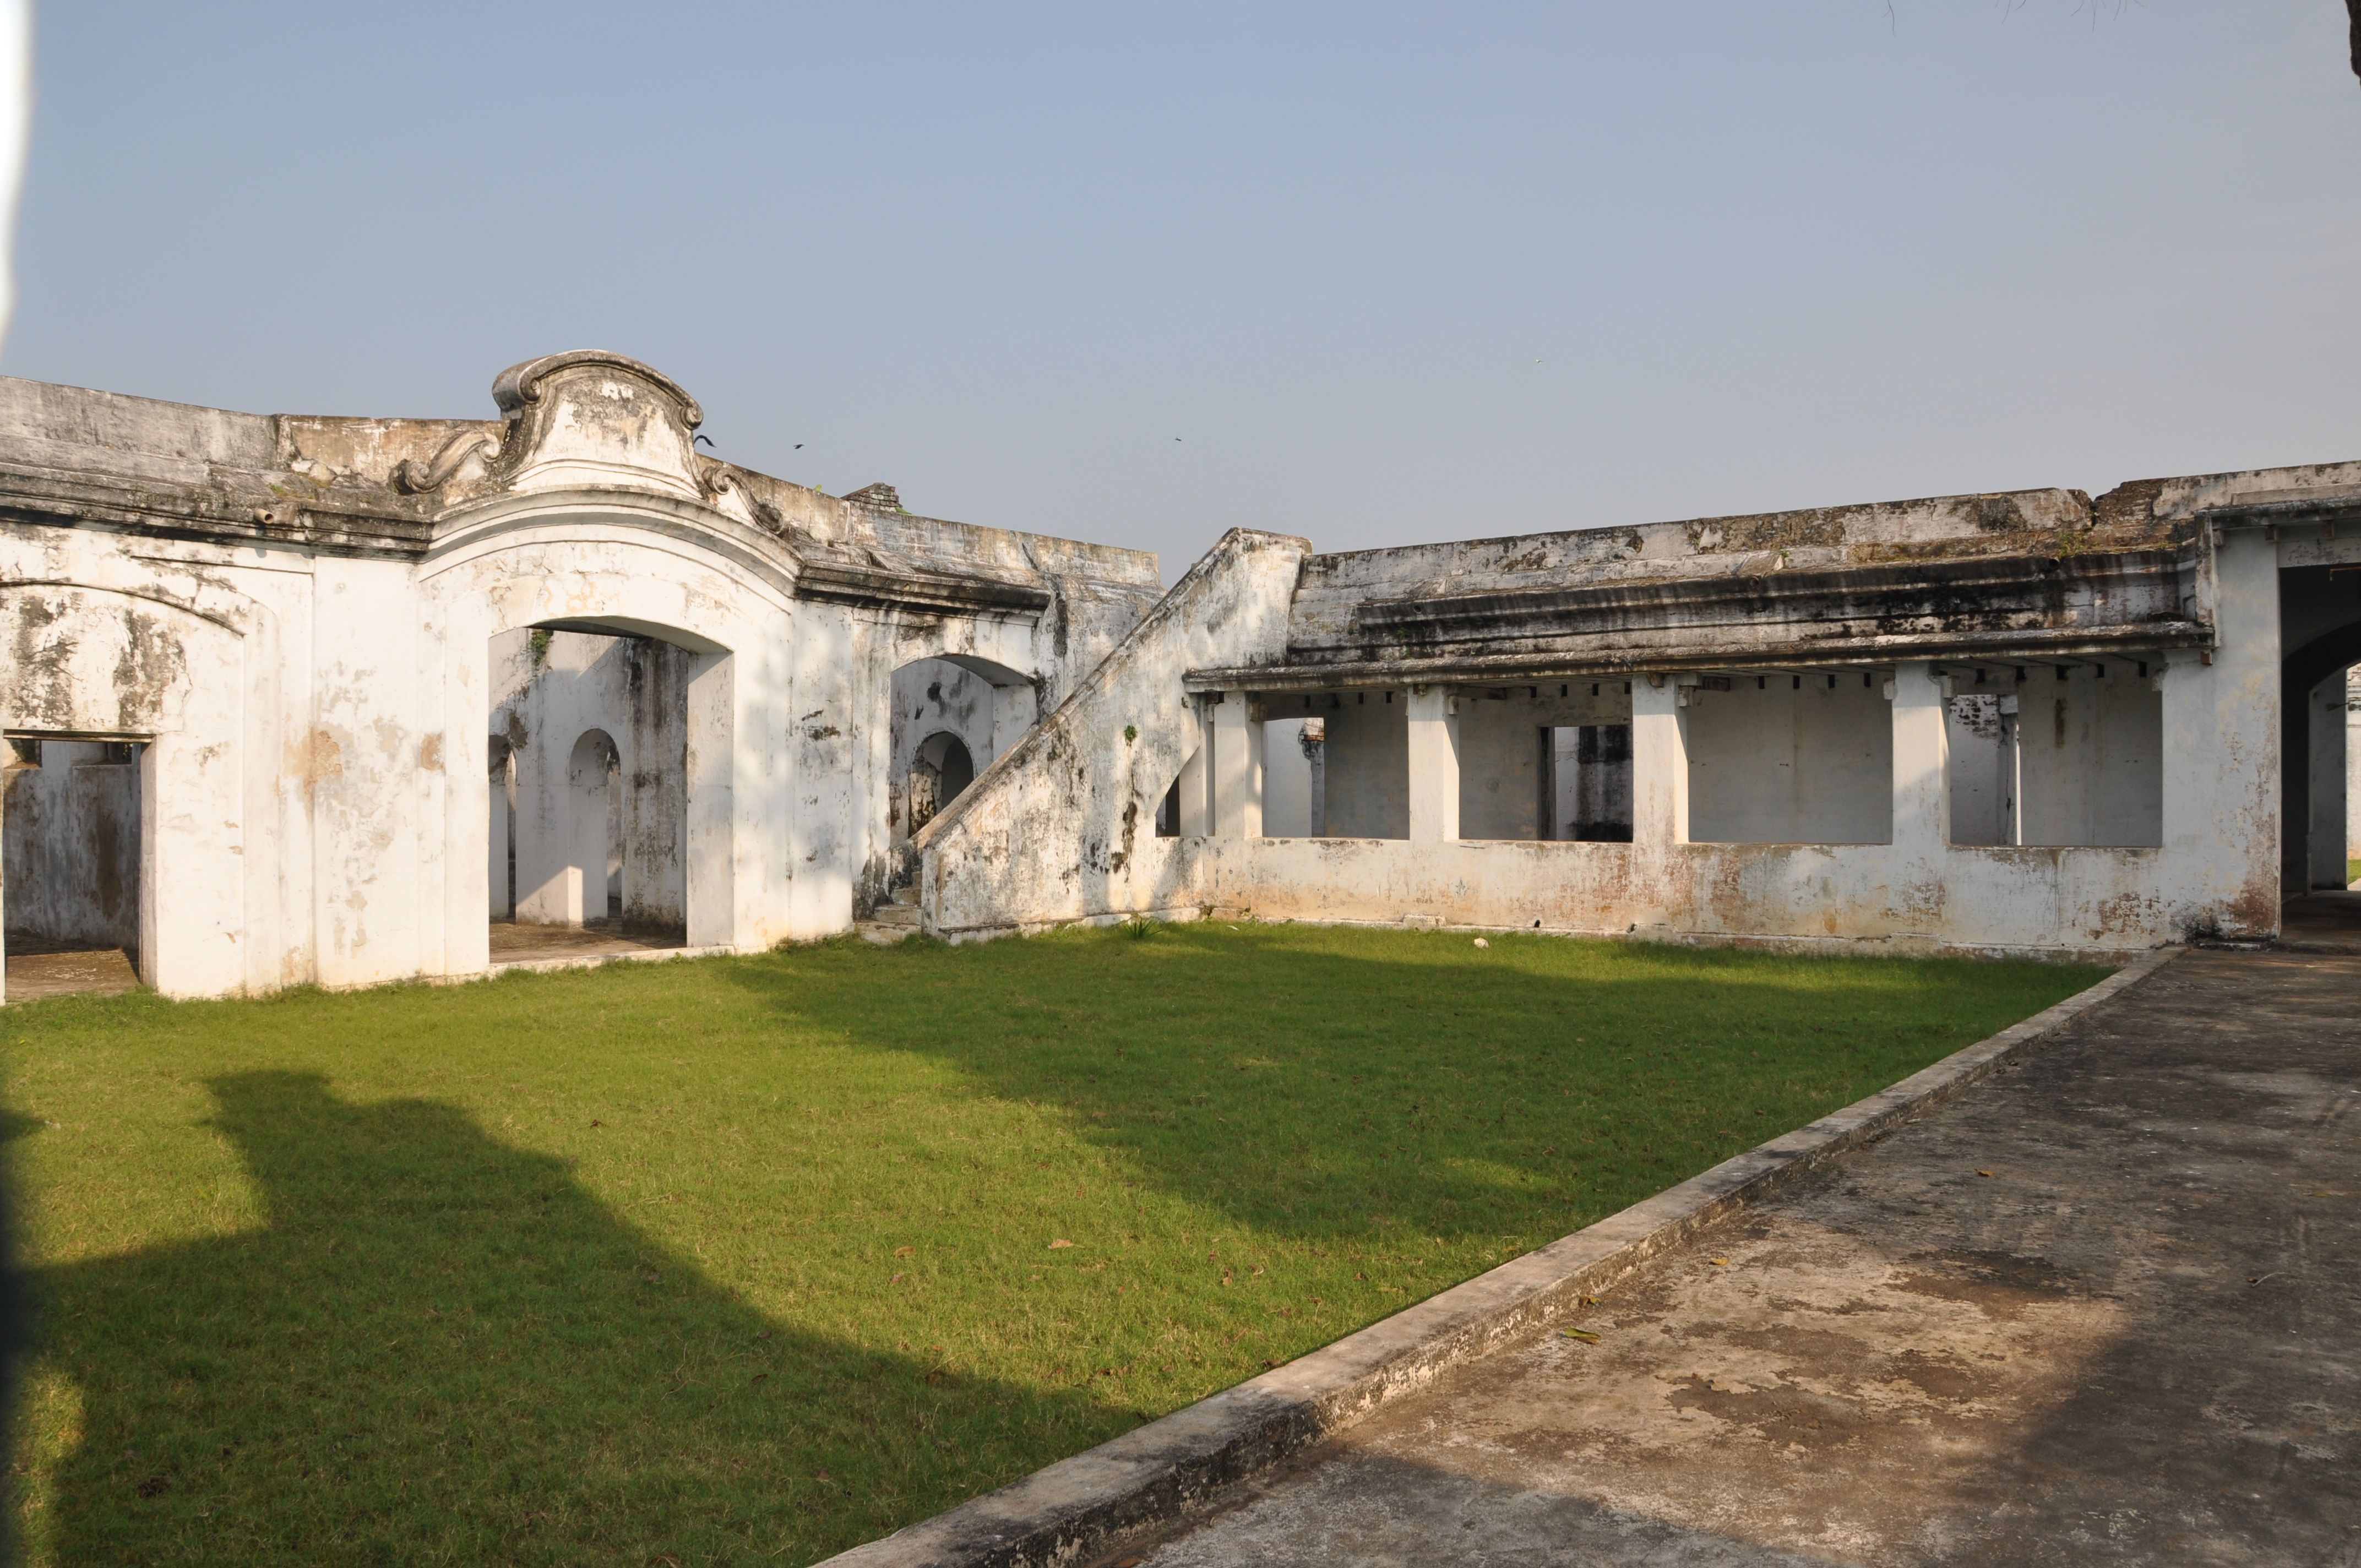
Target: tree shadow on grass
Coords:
[[1316, 1083], [441, 1349]]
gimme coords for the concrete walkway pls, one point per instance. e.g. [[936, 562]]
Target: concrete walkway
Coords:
[[2136, 1339]]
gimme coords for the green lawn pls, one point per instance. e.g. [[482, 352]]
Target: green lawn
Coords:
[[749, 1260]]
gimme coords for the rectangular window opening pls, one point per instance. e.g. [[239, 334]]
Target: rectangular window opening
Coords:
[[1810, 762], [2073, 762], [1364, 771], [1545, 766], [1295, 777]]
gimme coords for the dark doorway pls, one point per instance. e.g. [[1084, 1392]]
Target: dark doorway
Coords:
[[937, 773], [70, 865], [1586, 782]]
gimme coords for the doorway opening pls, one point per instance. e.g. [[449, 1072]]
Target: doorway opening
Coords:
[[940, 769], [2320, 623], [588, 794], [70, 865]]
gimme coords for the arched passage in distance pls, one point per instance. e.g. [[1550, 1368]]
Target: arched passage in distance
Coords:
[[952, 715], [594, 729]]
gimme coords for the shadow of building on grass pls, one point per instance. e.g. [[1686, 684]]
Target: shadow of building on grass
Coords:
[[439, 1348]]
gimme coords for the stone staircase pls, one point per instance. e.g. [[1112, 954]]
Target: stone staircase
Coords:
[[891, 921]]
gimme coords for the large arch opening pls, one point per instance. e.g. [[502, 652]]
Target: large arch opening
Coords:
[[589, 792]]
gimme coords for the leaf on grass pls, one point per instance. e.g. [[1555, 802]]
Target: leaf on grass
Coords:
[[762, 1378], [1059, 1242], [904, 1251], [1584, 1335]]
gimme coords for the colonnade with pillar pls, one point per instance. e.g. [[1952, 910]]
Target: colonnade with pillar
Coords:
[[1222, 789]]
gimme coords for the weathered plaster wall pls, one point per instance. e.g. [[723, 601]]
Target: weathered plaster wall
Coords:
[[296, 616], [1061, 826], [94, 645], [71, 852]]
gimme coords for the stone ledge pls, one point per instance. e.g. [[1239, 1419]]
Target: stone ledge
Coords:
[[1159, 1476], [596, 961]]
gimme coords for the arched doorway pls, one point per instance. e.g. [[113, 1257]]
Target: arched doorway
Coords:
[[950, 718], [939, 770]]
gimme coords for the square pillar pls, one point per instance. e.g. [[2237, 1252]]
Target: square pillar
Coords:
[[1197, 774], [1238, 769], [1434, 764], [1922, 766], [1660, 763]]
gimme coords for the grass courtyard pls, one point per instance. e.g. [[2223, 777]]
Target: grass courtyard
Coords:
[[749, 1260]]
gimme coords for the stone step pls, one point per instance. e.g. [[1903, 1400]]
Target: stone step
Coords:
[[905, 914]]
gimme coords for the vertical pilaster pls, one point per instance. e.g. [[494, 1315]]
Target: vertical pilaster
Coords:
[[1197, 773], [1922, 769], [1660, 765], [1434, 765], [714, 831]]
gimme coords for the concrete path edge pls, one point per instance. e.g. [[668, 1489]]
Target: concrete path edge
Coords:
[[1160, 1475]]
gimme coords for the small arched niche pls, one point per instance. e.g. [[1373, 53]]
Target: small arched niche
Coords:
[[594, 787]]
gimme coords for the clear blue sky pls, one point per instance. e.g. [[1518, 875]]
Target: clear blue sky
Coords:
[[1390, 273]]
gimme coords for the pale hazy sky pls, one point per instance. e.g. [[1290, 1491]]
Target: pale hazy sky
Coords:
[[1390, 273]]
